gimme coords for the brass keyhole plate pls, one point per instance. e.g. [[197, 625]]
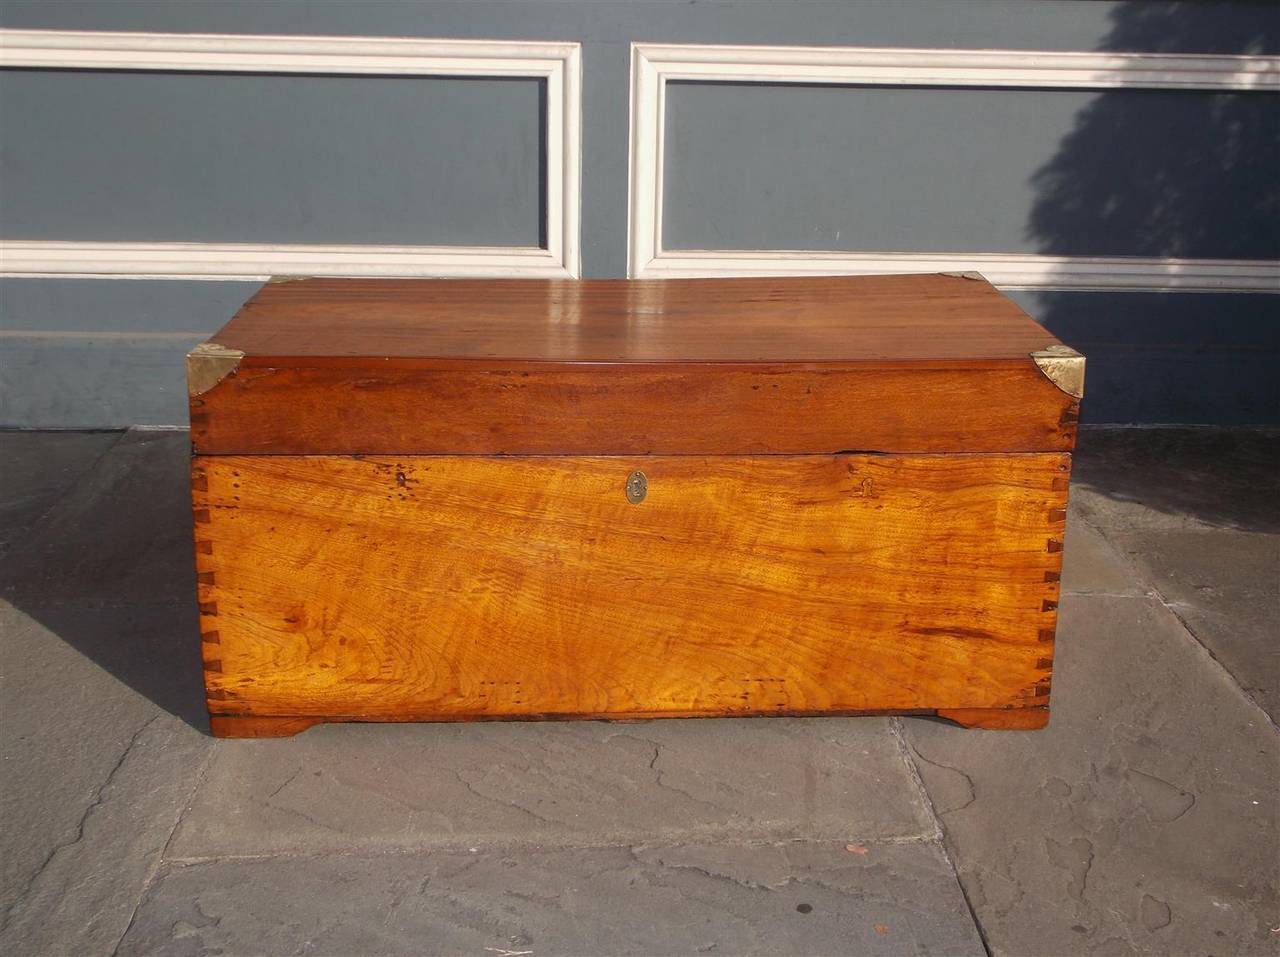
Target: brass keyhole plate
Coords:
[[637, 487]]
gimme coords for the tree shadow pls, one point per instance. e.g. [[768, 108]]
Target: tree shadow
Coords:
[[1170, 173]]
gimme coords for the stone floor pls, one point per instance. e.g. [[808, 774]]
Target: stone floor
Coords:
[[1143, 820]]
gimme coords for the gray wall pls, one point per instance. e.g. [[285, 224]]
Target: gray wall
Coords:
[[427, 160], [1004, 170], [177, 157]]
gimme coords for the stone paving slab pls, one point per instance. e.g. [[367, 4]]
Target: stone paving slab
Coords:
[[121, 535], [1144, 819], [95, 776], [1178, 478], [1225, 586], [800, 899], [1128, 826], [39, 467], [1090, 564], [348, 787], [151, 649], [64, 728]]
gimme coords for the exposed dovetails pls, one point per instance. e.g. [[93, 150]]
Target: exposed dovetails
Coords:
[[1057, 515], [1059, 483], [211, 638], [1041, 663], [199, 418], [201, 516], [216, 694], [204, 546], [209, 608], [1054, 545], [1042, 690], [1070, 415], [214, 664], [1046, 634], [1053, 576], [1048, 605], [200, 483], [204, 578]]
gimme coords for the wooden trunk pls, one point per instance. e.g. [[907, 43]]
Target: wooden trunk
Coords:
[[458, 500]]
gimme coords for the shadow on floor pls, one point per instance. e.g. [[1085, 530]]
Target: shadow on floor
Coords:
[[1227, 478], [107, 566]]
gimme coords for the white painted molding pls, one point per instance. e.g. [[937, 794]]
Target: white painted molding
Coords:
[[558, 64], [1007, 270], [654, 65], [255, 261], [1034, 69]]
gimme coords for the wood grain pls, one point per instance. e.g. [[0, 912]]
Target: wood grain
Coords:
[[1011, 408], [456, 587], [248, 726], [817, 319], [740, 366]]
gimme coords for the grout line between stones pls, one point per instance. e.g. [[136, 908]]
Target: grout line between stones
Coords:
[[162, 858], [96, 800], [669, 840], [1215, 662], [913, 772], [1152, 591]]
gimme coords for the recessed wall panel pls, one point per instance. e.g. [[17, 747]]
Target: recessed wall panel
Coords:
[[181, 157], [1063, 172]]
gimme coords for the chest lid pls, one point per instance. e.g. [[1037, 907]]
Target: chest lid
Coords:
[[937, 363]]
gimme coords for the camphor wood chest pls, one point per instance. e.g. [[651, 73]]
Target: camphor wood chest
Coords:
[[423, 500]]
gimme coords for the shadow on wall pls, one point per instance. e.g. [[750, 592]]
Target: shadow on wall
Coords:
[[1170, 173]]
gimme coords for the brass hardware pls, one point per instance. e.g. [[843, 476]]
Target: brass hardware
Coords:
[[208, 364], [637, 487], [1062, 366]]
